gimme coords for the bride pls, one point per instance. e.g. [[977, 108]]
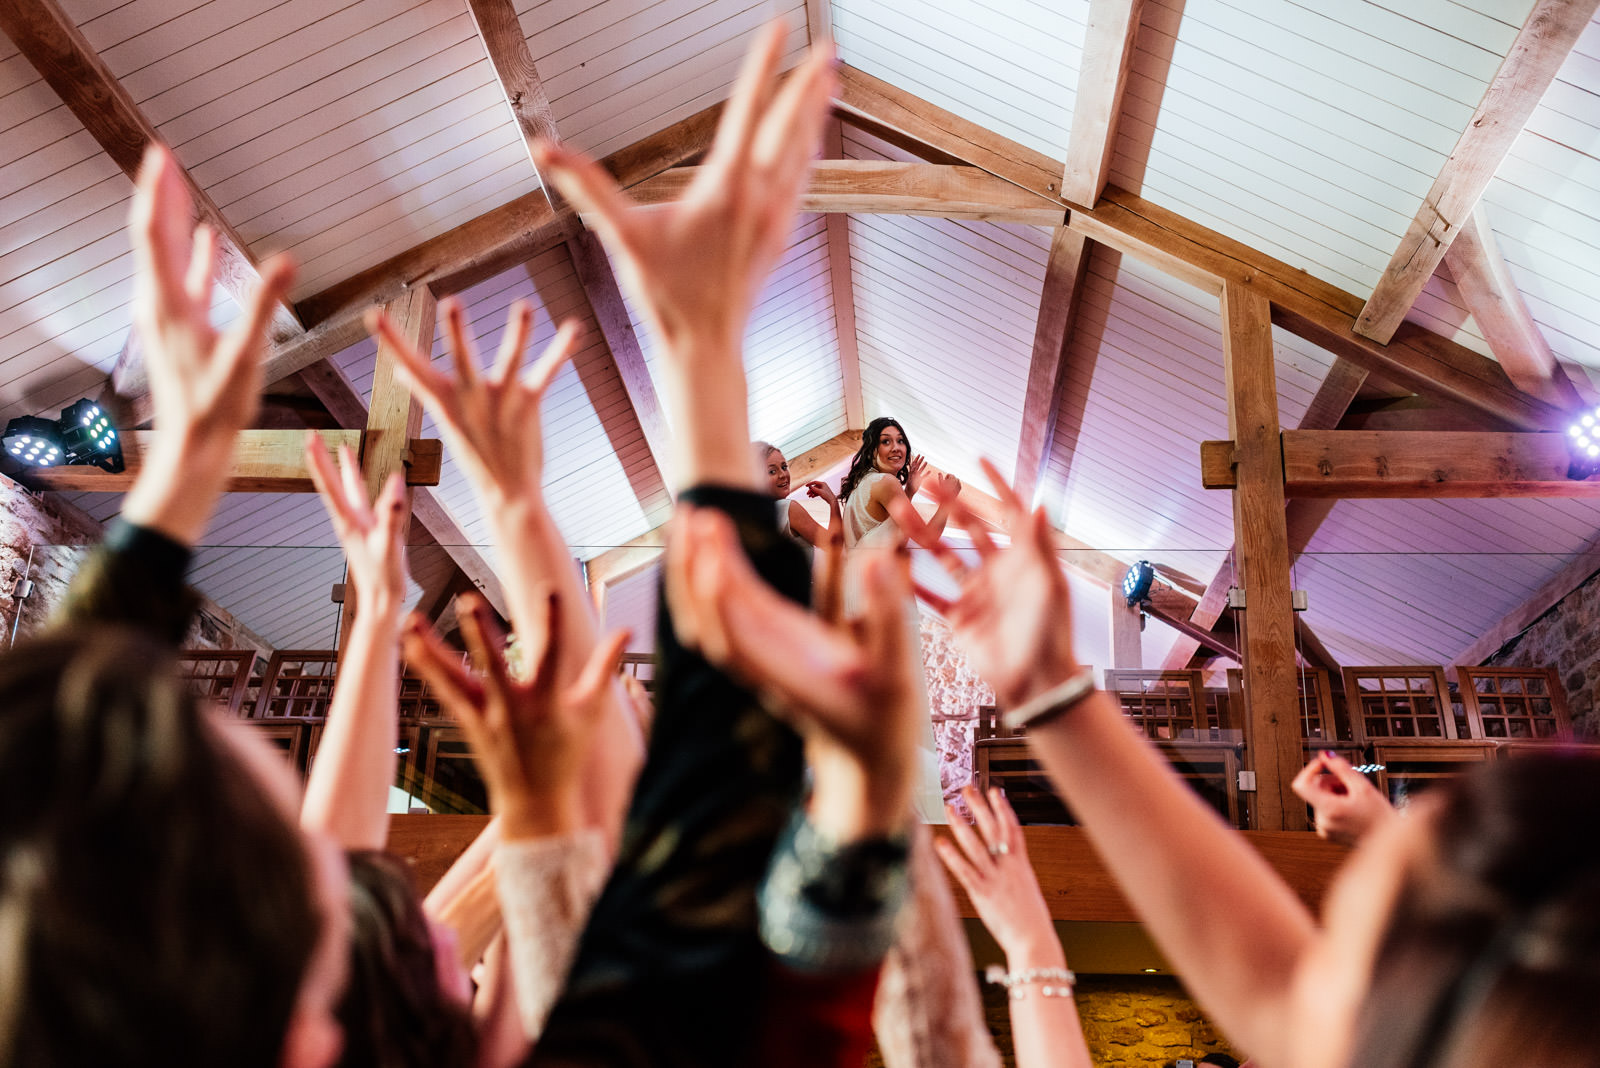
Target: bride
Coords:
[[883, 468]]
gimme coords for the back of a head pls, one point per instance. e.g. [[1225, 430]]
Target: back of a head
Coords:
[[155, 905], [395, 1012], [1492, 955]]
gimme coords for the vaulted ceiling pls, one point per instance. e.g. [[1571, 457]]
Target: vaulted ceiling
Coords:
[[373, 141]]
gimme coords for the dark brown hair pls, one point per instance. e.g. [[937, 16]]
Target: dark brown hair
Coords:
[[393, 1012], [155, 904], [861, 462], [1492, 954]]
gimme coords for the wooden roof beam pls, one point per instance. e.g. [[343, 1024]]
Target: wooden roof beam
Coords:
[[1573, 574], [1378, 463], [1107, 54], [50, 41], [1065, 272], [1303, 305], [842, 277], [1484, 279], [889, 187], [1547, 37]]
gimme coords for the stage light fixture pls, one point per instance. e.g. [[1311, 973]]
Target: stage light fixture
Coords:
[[1583, 446], [88, 437], [83, 435], [34, 441], [1137, 582]]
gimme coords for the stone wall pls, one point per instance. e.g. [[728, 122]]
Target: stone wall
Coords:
[[1128, 1020], [58, 535], [1566, 638]]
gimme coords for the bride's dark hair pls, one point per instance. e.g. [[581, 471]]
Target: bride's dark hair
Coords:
[[861, 463]]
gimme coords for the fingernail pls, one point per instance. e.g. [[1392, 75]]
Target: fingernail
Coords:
[[1328, 753]]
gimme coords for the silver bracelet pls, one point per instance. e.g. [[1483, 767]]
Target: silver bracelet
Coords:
[[1053, 702], [1016, 983]]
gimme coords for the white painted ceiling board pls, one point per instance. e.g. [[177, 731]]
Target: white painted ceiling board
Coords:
[[631, 603], [1012, 68]]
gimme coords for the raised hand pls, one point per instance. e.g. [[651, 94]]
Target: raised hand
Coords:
[[916, 474], [205, 386], [696, 264], [1012, 613], [851, 690], [823, 491], [370, 534], [1346, 804], [531, 739], [989, 858], [492, 422]]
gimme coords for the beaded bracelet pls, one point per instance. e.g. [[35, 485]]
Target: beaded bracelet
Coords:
[[1054, 702], [1016, 983]]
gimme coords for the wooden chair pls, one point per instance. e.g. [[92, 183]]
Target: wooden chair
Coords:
[[1514, 704], [290, 736], [221, 676], [297, 682], [1390, 703], [1167, 705]]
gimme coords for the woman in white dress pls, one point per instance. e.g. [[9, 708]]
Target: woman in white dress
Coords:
[[883, 467], [793, 519]]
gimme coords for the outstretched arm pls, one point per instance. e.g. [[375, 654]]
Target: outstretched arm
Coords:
[[492, 422], [1227, 921], [347, 792], [205, 386], [990, 861]]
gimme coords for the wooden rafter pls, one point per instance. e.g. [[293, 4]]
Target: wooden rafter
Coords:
[[842, 277], [264, 461], [889, 187], [1484, 280], [1107, 54], [1303, 305], [501, 33], [50, 41], [1065, 272], [1547, 37], [1397, 463]]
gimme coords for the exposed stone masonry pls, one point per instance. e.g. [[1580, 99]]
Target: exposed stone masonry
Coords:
[[1564, 638]]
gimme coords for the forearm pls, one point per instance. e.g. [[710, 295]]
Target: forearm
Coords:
[[473, 913], [533, 559], [180, 481], [1219, 913], [347, 793], [1046, 1031], [937, 521], [709, 403]]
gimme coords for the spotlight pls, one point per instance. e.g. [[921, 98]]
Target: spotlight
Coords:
[[88, 437], [1583, 446], [1137, 582], [33, 440]]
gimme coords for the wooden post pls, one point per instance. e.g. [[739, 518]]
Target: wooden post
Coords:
[[394, 417], [1261, 542], [1126, 638]]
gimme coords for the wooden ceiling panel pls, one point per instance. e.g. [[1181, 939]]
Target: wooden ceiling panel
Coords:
[[340, 134], [631, 602], [1309, 132], [617, 72], [1009, 68]]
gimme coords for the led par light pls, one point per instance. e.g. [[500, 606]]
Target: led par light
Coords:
[[88, 437], [1583, 446], [33, 440], [1137, 582]]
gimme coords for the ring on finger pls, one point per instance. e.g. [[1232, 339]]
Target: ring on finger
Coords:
[[999, 849]]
